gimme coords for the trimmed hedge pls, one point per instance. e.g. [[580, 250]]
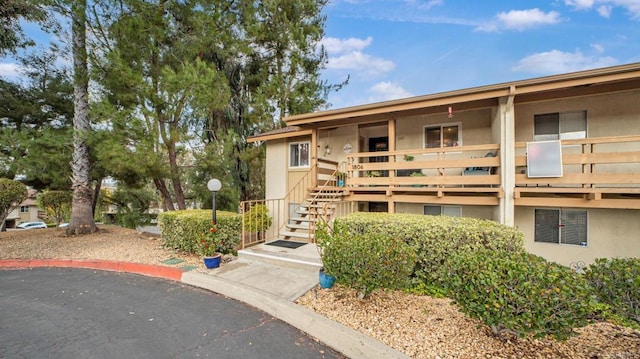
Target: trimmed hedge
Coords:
[[182, 229], [616, 283], [365, 262], [435, 238], [518, 292]]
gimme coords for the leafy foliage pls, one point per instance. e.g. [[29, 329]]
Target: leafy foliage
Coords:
[[365, 262], [435, 238], [210, 242], [12, 193], [257, 218], [183, 229], [517, 292], [57, 204], [616, 283]]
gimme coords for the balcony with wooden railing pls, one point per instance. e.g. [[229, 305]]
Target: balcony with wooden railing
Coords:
[[602, 172], [464, 174]]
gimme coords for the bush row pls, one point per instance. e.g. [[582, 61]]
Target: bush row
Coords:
[[483, 267], [435, 238], [182, 229], [616, 284]]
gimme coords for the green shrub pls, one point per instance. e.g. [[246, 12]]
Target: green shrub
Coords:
[[616, 283], [365, 262], [518, 292], [257, 218], [435, 238], [182, 229]]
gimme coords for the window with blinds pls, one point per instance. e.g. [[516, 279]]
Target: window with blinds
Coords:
[[451, 211], [560, 126], [561, 226]]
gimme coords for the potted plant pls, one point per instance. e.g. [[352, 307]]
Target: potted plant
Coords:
[[209, 247], [323, 242], [341, 179], [417, 174]]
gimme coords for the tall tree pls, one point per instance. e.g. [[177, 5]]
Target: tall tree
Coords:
[[35, 124], [11, 12], [82, 221], [155, 77], [272, 73]]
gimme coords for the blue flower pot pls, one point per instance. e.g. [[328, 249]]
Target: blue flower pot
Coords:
[[212, 262], [326, 280]]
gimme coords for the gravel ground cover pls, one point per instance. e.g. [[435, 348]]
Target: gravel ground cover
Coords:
[[420, 326]]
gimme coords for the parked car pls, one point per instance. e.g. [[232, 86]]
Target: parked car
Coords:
[[32, 225]]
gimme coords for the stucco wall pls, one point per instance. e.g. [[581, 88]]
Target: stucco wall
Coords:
[[611, 233], [607, 115], [337, 138], [475, 128]]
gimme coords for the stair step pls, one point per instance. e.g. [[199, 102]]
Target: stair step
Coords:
[[298, 226], [296, 234], [303, 219]]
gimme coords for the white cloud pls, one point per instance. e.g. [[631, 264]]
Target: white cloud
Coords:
[[605, 11], [9, 70], [362, 62], [385, 91], [347, 54], [580, 4], [556, 61], [335, 46], [605, 7], [598, 48], [521, 20]]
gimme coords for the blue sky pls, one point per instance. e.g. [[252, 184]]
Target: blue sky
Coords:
[[401, 48]]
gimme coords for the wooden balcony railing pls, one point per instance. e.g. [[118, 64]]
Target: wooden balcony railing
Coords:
[[608, 164], [450, 167]]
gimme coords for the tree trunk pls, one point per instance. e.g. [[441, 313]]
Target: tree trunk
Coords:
[[81, 208], [175, 176], [164, 192], [96, 196]]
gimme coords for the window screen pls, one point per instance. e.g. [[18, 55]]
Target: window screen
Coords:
[[442, 136], [451, 211], [573, 227], [561, 226], [299, 154], [573, 125], [560, 125], [547, 223], [546, 127]]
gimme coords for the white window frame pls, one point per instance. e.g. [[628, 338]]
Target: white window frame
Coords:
[[561, 135], [308, 143], [442, 126], [561, 226], [24, 209], [443, 208]]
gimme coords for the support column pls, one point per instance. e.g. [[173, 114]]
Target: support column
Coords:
[[507, 158], [391, 133], [314, 157]]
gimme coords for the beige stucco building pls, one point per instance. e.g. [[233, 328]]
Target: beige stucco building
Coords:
[[557, 157]]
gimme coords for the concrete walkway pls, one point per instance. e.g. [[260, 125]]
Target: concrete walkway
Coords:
[[266, 277]]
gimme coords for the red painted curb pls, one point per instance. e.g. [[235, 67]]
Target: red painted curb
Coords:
[[114, 266]]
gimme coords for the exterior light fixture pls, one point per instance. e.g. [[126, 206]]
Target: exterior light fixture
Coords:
[[214, 186]]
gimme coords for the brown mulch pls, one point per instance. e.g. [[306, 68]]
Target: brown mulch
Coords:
[[420, 326]]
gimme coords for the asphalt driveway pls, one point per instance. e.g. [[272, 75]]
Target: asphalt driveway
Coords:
[[79, 313]]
